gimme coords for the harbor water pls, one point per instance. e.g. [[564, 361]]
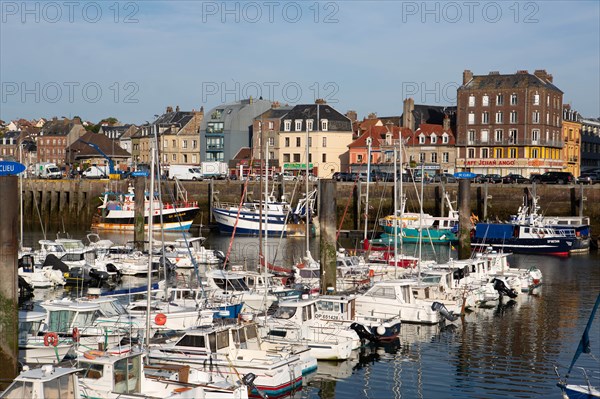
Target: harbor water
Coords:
[[504, 351]]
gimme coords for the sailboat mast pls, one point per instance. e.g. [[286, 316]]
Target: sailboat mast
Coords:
[[306, 208], [265, 250], [421, 220], [369, 142], [150, 228], [395, 219]]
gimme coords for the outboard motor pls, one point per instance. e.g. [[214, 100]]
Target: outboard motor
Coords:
[[248, 380], [446, 314], [100, 277], [220, 255], [502, 288], [363, 332]]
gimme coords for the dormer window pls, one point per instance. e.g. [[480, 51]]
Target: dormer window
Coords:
[[324, 125], [309, 124], [388, 138], [287, 125], [298, 125], [445, 138], [421, 138], [433, 138]]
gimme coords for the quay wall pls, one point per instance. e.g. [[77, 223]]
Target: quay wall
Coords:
[[63, 204]]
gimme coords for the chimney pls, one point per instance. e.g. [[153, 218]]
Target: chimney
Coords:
[[549, 78], [523, 72], [352, 115], [467, 76], [54, 118], [542, 74], [77, 121], [494, 73], [320, 101], [446, 123], [177, 108], [169, 109], [372, 115], [408, 119], [275, 104]]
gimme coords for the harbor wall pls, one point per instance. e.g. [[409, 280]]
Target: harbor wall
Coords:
[[63, 204]]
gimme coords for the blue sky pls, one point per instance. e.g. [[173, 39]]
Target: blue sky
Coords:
[[131, 59]]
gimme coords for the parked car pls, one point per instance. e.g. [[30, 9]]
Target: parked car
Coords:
[[515, 178], [555, 178], [287, 176], [478, 178], [444, 178], [492, 178], [344, 176], [589, 178]]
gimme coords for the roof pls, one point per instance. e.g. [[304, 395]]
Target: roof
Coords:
[[516, 80], [108, 146], [336, 120], [243, 153], [428, 129], [274, 113], [180, 118], [378, 133], [59, 127]]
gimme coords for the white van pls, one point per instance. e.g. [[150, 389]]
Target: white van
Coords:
[[96, 172], [185, 172]]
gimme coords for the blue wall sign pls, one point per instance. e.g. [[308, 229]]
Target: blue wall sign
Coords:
[[140, 173], [8, 168], [465, 175]]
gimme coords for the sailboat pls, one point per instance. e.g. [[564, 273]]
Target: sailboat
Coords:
[[586, 390]]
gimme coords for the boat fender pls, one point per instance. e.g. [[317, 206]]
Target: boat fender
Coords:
[[91, 355], [76, 334], [160, 319], [51, 338], [381, 330]]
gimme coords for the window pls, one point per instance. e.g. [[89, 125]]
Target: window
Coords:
[[166, 143], [471, 101], [309, 157], [286, 157], [512, 136], [271, 155], [470, 152], [310, 141], [184, 144], [421, 157], [434, 157], [421, 138], [433, 139], [445, 138], [174, 158], [499, 117], [287, 125], [194, 158], [272, 141], [535, 118], [359, 158], [471, 137], [270, 125], [498, 135], [298, 125], [485, 100], [324, 158], [513, 117], [512, 152], [536, 99], [485, 135], [535, 136], [445, 157], [309, 124], [513, 99], [498, 153], [194, 143], [499, 99], [185, 158], [296, 157], [471, 118], [287, 141], [324, 125], [535, 153], [324, 141], [298, 141], [485, 117], [485, 153]]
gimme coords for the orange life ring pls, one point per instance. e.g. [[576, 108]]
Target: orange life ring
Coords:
[[91, 355], [160, 319], [371, 273], [51, 338], [76, 334]]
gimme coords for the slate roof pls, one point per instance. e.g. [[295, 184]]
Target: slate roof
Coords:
[[178, 118], [337, 122], [274, 113], [517, 80], [59, 127], [119, 129]]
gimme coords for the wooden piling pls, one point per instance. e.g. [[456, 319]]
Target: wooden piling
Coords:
[[464, 218], [327, 223], [9, 315], [138, 214]]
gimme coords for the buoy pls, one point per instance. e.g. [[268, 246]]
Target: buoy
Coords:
[[381, 330], [160, 319], [51, 338]]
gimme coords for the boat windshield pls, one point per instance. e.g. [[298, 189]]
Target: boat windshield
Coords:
[[431, 279], [285, 312], [60, 320], [231, 284], [113, 308]]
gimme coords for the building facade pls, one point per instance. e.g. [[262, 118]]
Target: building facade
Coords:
[[55, 137], [571, 152], [590, 143], [509, 123]]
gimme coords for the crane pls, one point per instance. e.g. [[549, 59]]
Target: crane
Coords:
[[111, 164]]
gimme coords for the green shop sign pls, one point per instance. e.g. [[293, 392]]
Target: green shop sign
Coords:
[[297, 166]]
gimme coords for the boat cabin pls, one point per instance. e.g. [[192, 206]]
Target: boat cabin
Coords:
[[217, 339], [47, 382], [63, 315], [30, 324], [333, 307], [120, 374]]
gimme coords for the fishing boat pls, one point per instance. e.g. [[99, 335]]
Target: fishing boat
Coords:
[[277, 215], [35, 348], [117, 212], [587, 390]]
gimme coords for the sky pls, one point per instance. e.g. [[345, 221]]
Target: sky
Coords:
[[132, 59]]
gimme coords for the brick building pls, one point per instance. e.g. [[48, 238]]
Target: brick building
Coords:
[[509, 123]]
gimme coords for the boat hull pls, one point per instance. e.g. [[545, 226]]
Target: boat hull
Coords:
[[248, 224], [539, 246], [172, 220]]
